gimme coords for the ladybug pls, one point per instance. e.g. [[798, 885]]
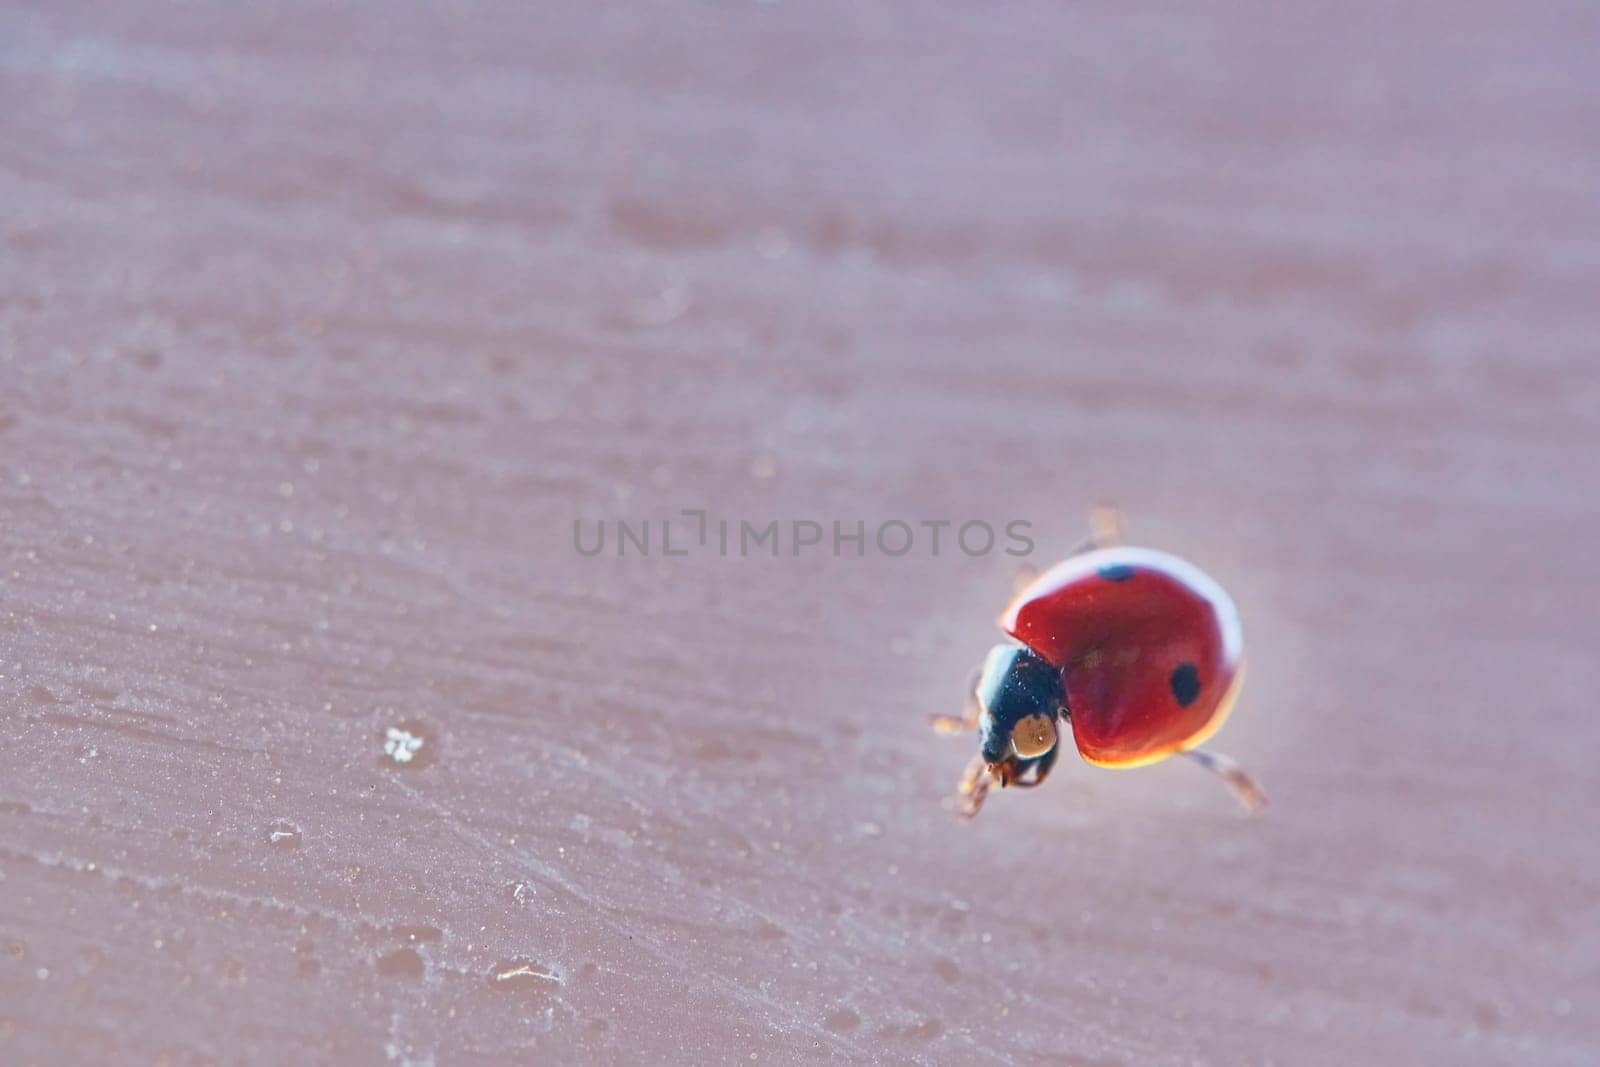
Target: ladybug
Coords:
[[1138, 651]]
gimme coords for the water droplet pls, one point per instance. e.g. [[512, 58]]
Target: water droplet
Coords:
[[401, 963], [523, 975], [283, 834], [524, 893], [408, 744]]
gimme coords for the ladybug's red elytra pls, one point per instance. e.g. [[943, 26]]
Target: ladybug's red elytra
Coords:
[[1138, 651]]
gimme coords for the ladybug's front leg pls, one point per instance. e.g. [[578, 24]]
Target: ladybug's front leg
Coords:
[[1011, 772], [974, 787], [970, 718], [1040, 768]]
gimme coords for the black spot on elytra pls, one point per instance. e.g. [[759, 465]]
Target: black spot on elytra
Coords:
[[1185, 684], [1115, 572]]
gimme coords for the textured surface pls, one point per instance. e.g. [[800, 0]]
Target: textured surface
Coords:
[[321, 323]]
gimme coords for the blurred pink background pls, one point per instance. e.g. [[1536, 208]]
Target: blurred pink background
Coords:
[[321, 323]]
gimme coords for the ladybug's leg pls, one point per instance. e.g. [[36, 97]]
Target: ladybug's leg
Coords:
[[969, 719], [1105, 525], [1041, 770], [1105, 530], [974, 787], [1244, 787]]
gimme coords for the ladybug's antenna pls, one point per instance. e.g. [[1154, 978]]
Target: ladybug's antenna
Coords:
[[1244, 787]]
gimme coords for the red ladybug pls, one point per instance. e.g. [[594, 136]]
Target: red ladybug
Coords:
[[1139, 651]]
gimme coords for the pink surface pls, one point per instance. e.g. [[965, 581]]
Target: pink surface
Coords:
[[320, 324]]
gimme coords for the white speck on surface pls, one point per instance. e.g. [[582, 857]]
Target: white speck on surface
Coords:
[[400, 745]]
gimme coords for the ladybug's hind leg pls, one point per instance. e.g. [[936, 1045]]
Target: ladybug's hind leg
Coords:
[[1251, 795]]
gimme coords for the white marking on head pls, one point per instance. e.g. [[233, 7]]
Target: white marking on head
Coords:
[[1034, 736]]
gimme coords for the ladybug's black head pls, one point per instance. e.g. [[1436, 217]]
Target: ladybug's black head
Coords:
[[1022, 700]]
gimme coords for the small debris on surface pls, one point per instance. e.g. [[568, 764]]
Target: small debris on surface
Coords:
[[523, 975], [408, 744]]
